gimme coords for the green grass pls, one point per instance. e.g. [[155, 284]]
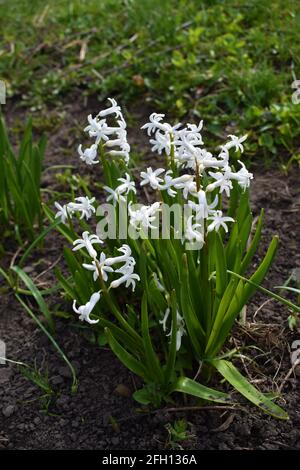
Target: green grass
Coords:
[[229, 62]]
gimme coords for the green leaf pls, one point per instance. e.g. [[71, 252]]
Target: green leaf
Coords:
[[36, 242], [277, 297], [191, 387], [142, 396], [125, 357], [213, 338], [240, 383], [152, 361], [221, 268], [65, 284], [172, 348], [258, 276], [253, 245], [195, 330], [36, 294], [50, 337]]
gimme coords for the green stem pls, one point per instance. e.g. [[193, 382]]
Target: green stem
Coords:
[[268, 292]]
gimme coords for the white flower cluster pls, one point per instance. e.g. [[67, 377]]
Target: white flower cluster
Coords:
[[143, 218], [196, 176], [186, 147], [113, 137], [101, 266]]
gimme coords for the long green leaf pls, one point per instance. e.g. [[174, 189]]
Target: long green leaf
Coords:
[[191, 387], [36, 242], [153, 364], [125, 357], [57, 347], [240, 383], [172, 348], [277, 297], [36, 294], [253, 245]]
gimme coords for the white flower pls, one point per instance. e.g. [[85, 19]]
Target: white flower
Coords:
[[120, 153], [143, 217], [163, 322], [180, 327], [222, 181], [190, 133], [236, 142], [202, 208], [84, 311], [120, 141], [243, 176], [113, 195], [155, 124], [191, 232], [104, 265], [161, 143], [129, 278], [195, 157], [224, 155], [125, 258], [194, 130], [152, 177], [97, 266], [126, 186], [168, 181], [189, 188], [116, 195], [64, 212], [84, 205], [185, 182], [97, 128], [157, 282], [87, 241], [89, 155], [180, 331], [218, 221], [113, 109]]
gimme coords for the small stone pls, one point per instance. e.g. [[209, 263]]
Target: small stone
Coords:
[[28, 269], [8, 410], [123, 391]]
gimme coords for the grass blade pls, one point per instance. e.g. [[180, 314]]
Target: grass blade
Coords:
[[191, 387], [240, 383], [36, 294], [57, 347]]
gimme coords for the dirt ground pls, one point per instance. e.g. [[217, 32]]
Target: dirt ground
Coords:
[[102, 414]]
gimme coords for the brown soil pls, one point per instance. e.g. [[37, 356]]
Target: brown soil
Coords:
[[102, 415]]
